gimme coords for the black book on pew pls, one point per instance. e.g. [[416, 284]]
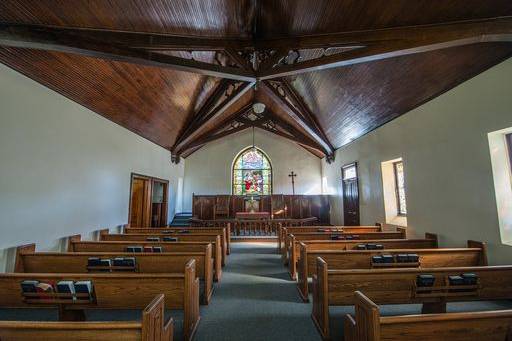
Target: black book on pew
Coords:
[[413, 258], [470, 278], [402, 258], [336, 237], [93, 261], [170, 239], [379, 247], [456, 280], [83, 287], [425, 280], [361, 247], [388, 259], [153, 239], [66, 287], [157, 249], [377, 259], [118, 261], [29, 285], [134, 249], [184, 231], [167, 231], [371, 246]]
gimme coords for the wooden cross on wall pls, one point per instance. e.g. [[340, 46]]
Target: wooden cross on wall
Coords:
[[293, 175]]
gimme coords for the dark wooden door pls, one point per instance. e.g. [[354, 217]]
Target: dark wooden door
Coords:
[[350, 195], [140, 202]]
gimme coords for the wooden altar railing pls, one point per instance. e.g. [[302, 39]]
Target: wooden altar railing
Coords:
[[261, 227]]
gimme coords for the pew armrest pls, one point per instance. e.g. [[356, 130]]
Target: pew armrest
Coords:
[[349, 328], [168, 332]]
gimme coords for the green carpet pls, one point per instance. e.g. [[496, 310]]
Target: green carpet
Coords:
[[256, 300]]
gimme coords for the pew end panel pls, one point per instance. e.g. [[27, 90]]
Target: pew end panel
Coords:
[[481, 245], [71, 240], [432, 236], [320, 312], [191, 304], [349, 328], [154, 326], [302, 276], [20, 250], [367, 318]]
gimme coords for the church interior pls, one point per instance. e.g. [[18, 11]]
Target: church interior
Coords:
[[256, 170]]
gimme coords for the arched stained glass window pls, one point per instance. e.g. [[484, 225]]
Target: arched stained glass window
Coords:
[[252, 173]]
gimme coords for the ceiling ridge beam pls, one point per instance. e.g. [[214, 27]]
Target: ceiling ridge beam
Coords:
[[49, 40]]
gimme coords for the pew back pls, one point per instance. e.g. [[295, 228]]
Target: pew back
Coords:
[[370, 325], [338, 260], [27, 260], [75, 244], [151, 328]]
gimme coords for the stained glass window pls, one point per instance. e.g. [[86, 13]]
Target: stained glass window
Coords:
[[400, 187], [252, 173]]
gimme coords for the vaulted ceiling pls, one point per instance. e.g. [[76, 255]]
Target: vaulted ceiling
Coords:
[[186, 72]]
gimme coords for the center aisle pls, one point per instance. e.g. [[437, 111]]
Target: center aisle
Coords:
[[256, 300]]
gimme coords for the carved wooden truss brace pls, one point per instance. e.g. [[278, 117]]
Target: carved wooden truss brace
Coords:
[[243, 63]]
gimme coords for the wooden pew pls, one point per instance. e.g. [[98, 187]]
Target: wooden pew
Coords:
[[293, 253], [185, 237], [152, 327], [293, 239], [283, 231], [28, 260], [474, 255], [75, 244], [368, 325], [224, 230], [398, 286], [111, 291]]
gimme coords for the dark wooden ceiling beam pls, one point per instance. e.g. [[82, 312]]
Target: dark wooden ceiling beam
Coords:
[[50, 39], [299, 117], [395, 42], [196, 121], [212, 115], [204, 138]]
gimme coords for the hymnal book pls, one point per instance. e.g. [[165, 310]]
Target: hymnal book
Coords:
[[66, 287], [170, 239], [402, 258], [371, 246], [152, 239], [29, 285], [148, 249], [167, 231], [134, 249], [379, 247], [470, 278], [377, 259], [413, 258], [83, 287], [455, 280], [129, 261], [361, 247], [93, 261], [336, 237], [157, 249], [184, 231], [118, 261], [425, 280], [388, 259]]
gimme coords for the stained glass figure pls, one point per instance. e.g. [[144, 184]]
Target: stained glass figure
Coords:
[[252, 173]]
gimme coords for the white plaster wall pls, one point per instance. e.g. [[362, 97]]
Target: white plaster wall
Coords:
[[208, 170], [444, 146], [65, 169]]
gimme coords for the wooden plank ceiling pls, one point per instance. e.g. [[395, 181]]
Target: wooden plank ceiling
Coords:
[[185, 73]]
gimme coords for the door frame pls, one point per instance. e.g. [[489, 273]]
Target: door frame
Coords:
[[355, 164], [151, 180]]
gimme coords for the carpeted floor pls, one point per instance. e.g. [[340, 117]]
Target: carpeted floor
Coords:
[[256, 300]]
